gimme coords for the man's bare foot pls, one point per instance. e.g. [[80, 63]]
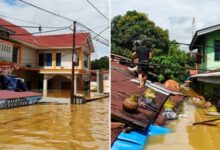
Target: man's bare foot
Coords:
[[140, 86]]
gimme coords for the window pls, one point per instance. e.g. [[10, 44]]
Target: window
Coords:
[[41, 60], [76, 58], [85, 60], [45, 59], [15, 54], [217, 50], [49, 60], [58, 61]]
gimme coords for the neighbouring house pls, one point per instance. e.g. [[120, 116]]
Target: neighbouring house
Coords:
[[106, 81], [45, 61], [207, 43]]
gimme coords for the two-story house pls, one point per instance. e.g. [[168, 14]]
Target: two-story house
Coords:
[[45, 61], [207, 43]]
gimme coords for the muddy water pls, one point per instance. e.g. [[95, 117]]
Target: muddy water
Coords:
[[188, 137], [55, 127]]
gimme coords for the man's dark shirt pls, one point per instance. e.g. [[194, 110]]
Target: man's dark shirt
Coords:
[[143, 53]]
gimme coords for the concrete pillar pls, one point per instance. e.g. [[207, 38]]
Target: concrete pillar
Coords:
[[99, 81], [54, 59], [75, 84], [80, 58], [45, 86]]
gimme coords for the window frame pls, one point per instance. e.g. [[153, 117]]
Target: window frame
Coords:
[[58, 59], [216, 57]]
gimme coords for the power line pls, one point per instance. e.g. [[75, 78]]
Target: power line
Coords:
[[42, 31], [92, 32], [180, 43], [128, 62], [102, 31], [96, 39], [26, 26], [48, 31], [46, 10], [97, 10], [20, 20], [58, 15]]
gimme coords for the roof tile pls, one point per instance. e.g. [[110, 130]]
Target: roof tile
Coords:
[[45, 41]]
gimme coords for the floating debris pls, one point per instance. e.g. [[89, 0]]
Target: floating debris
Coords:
[[170, 114]]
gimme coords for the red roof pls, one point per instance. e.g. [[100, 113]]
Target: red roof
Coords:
[[45, 41], [18, 30], [6, 94], [61, 40]]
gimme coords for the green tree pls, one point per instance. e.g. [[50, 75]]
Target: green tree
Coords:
[[135, 26], [102, 63], [173, 65]]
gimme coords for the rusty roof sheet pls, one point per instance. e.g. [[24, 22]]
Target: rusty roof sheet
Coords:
[[121, 88], [6, 94]]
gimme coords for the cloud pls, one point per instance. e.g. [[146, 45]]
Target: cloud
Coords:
[[79, 10], [176, 16]]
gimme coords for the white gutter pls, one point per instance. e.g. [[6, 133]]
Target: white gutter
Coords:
[[157, 88], [213, 74]]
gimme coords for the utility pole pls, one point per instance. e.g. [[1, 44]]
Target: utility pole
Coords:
[[73, 65]]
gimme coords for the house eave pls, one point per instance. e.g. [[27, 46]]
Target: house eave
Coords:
[[200, 33], [206, 75]]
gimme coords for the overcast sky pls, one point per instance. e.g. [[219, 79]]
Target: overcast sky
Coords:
[[79, 10], [174, 15]]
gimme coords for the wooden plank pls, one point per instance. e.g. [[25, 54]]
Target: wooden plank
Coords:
[[116, 129]]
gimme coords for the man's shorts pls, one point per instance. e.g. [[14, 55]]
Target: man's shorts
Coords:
[[143, 67]]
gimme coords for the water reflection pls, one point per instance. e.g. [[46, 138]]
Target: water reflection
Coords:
[[185, 136], [55, 127], [203, 137]]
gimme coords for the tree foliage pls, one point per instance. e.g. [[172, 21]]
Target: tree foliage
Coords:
[[173, 65], [134, 26], [102, 63]]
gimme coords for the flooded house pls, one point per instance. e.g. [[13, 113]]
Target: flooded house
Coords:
[[106, 80], [207, 43], [45, 61]]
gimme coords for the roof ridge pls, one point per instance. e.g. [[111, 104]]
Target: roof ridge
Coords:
[[12, 26]]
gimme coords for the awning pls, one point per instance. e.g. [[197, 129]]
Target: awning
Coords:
[[213, 77]]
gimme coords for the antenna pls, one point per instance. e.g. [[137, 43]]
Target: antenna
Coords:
[[193, 26]]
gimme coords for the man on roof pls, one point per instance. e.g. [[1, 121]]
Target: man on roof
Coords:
[[143, 53]]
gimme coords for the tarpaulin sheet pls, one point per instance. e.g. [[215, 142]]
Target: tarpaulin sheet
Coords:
[[135, 140], [12, 83]]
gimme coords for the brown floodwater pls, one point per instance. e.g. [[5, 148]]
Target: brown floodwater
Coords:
[[50, 126], [185, 136]]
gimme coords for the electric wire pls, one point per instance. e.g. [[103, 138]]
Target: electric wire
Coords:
[[48, 31], [102, 31], [97, 10], [58, 15], [161, 66], [26, 26], [21, 20]]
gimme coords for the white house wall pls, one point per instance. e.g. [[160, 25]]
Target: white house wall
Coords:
[[28, 57], [66, 57]]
